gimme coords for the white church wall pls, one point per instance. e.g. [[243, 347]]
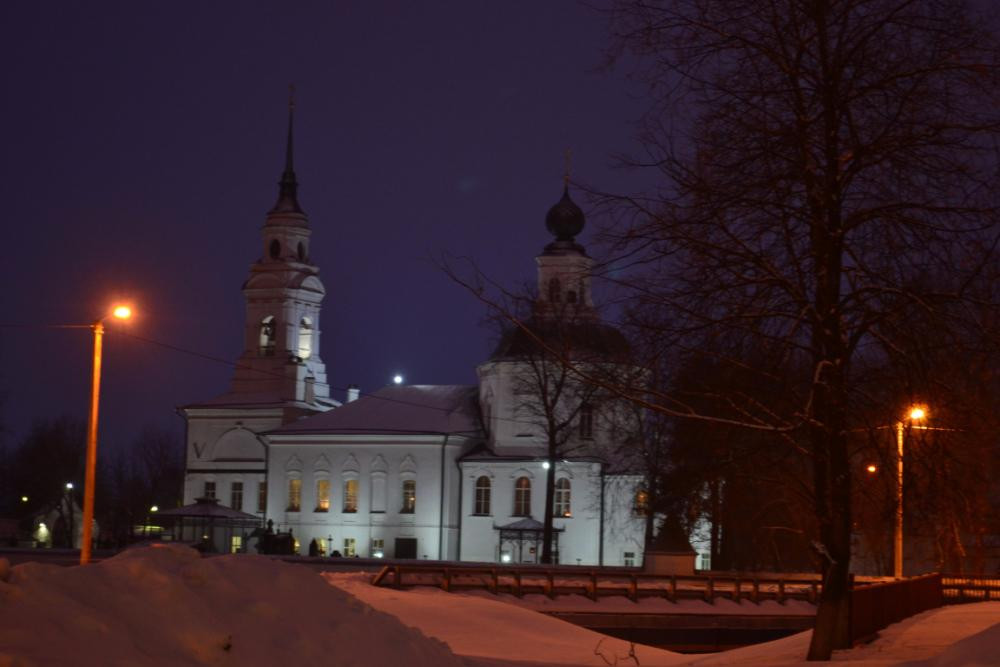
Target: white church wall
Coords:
[[579, 539], [625, 527], [374, 464]]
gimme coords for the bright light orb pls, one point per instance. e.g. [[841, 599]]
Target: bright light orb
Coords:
[[917, 413], [24, 499], [545, 465], [69, 486], [505, 558], [154, 508], [397, 379], [122, 312], [872, 467]]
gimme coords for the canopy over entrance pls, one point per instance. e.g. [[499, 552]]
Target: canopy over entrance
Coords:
[[209, 526], [521, 541]]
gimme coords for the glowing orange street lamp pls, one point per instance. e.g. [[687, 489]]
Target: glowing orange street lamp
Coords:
[[915, 414], [872, 468], [122, 313]]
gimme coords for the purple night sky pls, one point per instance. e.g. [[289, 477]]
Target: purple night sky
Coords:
[[144, 142]]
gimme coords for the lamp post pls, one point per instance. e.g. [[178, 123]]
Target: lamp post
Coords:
[[916, 413], [122, 313]]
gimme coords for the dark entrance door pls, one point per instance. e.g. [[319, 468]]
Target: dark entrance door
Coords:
[[406, 547]]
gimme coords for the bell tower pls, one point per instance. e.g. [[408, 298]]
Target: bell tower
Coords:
[[281, 360]]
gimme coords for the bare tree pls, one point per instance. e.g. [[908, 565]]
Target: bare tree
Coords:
[[817, 157], [551, 348]]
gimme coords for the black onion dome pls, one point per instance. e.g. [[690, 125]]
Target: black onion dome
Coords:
[[565, 219], [580, 340]]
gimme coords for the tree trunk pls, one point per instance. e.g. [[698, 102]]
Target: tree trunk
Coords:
[[547, 530]]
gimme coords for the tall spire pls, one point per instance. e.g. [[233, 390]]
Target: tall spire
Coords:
[[288, 186]]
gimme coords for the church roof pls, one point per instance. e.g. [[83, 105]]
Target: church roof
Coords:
[[232, 400], [398, 410], [582, 339]]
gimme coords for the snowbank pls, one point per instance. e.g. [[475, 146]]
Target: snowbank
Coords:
[[169, 606], [482, 628]]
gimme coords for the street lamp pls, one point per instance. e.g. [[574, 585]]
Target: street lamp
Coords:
[[916, 413], [121, 313]]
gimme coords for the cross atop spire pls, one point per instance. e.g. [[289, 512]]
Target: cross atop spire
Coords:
[[288, 185], [568, 154]]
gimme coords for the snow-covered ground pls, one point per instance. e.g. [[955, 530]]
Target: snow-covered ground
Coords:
[[167, 606]]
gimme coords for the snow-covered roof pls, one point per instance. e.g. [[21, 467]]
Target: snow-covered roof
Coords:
[[398, 410]]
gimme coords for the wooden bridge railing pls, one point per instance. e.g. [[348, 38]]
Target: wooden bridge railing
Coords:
[[958, 588], [876, 606], [594, 584]]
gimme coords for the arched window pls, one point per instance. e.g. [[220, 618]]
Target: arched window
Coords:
[[483, 495], [350, 496], [562, 507], [294, 494], [275, 249], [302, 252], [586, 421], [267, 336], [642, 502], [571, 297], [555, 289], [305, 338], [322, 495], [409, 497], [522, 497]]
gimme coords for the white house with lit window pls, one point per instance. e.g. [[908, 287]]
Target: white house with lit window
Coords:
[[424, 471]]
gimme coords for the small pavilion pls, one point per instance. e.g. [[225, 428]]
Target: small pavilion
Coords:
[[211, 527]]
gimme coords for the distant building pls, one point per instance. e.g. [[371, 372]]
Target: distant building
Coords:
[[424, 471]]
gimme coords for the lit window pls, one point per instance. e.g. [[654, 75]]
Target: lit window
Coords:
[[349, 549], [261, 496], [522, 497], [267, 336], [350, 496], [628, 559], [209, 490], [378, 547], [322, 495], [294, 494], [305, 338], [483, 495], [236, 544], [236, 496], [642, 502], [586, 422], [562, 507], [409, 496]]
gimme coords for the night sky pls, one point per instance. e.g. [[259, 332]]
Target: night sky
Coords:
[[142, 146]]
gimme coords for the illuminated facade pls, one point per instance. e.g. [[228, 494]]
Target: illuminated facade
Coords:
[[424, 471]]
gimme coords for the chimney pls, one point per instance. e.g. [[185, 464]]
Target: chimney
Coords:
[[352, 393]]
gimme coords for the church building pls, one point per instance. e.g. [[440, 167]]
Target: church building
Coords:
[[417, 471]]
